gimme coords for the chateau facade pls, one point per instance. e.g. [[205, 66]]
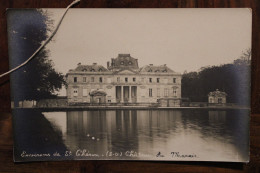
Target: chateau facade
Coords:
[[123, 82]]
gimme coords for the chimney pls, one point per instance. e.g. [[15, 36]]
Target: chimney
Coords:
[[107, 64], [94, 63], [79, 63], [151, 64]]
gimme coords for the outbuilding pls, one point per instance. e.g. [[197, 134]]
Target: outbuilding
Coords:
[[217, 97]]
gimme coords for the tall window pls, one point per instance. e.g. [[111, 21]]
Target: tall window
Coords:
[[158, 80], [126, 79], [84, 79], [100, 80], [85, 92], [174, 92], [174, 80], [158, 92], [150, 80], [75, 92], [92, 79], [150, 92], [75, 79], [134, 79], [118, 79], [166, 92]]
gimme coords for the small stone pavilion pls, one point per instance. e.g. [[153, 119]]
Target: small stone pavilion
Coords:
[[217, 97]]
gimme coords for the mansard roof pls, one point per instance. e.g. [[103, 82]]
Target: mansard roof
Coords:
[[217, 93], [123, 61], [156, 69], [122, 64], [90, 68]]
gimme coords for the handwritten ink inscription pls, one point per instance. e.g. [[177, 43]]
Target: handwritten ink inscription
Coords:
[[131, 153], [159, 154], [179, 155]]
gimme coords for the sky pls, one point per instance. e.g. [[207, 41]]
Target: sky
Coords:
[[184, 39]]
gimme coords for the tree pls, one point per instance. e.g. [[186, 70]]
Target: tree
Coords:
[[244, 58], [234, 79], [38, 79]]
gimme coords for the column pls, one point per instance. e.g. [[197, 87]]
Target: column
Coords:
[[122, 94], [130, 95]]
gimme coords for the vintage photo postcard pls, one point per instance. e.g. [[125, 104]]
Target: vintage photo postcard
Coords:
[[131, 84]]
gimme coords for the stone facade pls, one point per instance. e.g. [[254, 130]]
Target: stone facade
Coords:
[[122, 82]]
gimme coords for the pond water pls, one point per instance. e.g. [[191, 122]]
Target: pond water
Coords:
[[154, 134]]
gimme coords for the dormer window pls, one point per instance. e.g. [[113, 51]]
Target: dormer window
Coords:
[[84, 70], [122, 62], [130, 63], [157, 70], [92, 70], [150, 70], [100, 70], [164, 70]]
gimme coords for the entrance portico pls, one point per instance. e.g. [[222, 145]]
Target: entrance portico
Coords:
[[126, 94]]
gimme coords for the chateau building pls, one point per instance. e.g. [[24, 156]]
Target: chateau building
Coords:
[[123, 82]]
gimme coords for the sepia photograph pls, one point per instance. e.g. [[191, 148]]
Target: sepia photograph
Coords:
[[131, 84]]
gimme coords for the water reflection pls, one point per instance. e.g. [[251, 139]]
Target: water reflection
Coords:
[[210, 135]]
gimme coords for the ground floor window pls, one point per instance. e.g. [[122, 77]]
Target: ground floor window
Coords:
[[166, 92], [174, 92], [150, 92], [85, 92], [75, 92], [158, 92]]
